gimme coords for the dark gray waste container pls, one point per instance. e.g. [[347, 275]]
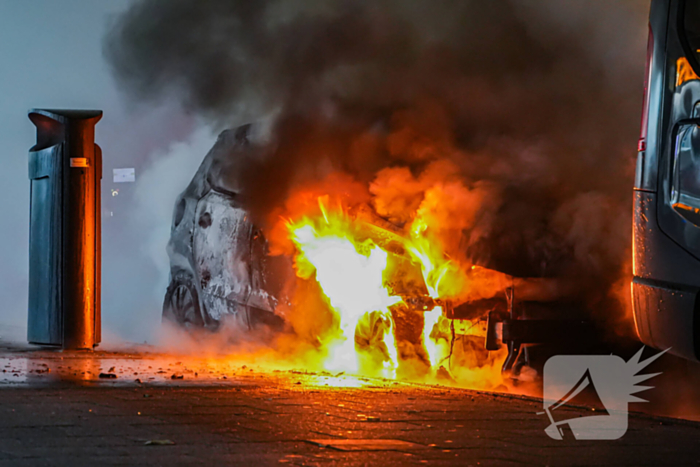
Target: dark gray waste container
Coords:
[[65, 169]]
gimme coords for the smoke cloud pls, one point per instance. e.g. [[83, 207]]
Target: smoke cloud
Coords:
[[513, 123]]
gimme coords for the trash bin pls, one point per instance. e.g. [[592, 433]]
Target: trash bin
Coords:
[[65, 172]]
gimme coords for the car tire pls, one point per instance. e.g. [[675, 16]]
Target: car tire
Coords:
[[181, 302]]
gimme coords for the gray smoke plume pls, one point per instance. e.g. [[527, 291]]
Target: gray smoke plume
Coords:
[[539, 101]]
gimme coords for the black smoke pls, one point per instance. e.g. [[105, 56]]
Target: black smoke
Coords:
[[538, 100]]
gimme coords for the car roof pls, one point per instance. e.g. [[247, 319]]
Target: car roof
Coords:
[[223, 166]]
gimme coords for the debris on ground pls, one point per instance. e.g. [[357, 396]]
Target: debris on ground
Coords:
[[158, 442]]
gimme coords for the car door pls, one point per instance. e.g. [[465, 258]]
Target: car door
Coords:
[[222, 253]]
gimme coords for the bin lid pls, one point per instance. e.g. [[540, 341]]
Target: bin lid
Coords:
[[51, 124], [64, 115]]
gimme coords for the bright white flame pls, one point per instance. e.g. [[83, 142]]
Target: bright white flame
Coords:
[[354, 285]]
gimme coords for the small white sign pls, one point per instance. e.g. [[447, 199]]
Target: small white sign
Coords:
[[79, 162], [127, 175]]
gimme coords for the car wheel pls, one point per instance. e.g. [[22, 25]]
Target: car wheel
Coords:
[[181, 303]]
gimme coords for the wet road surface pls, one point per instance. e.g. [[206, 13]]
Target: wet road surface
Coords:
[[56, 409]]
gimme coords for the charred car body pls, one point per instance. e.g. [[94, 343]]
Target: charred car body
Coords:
[[218, 260]]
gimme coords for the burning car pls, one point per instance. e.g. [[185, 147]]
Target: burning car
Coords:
[[393, 293]]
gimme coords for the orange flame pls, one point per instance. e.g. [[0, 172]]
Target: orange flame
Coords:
[[362, 270]]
